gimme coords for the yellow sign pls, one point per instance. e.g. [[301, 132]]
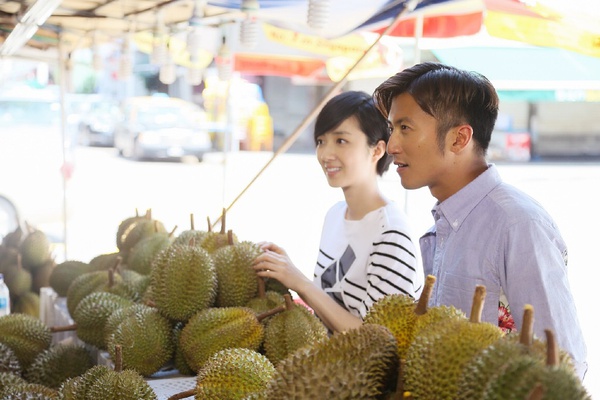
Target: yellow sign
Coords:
[[352, 45], [544, 32]]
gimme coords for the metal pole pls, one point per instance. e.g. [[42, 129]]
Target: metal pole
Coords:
[[409, 6]]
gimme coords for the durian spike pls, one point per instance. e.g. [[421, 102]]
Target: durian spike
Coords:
[[183, 395], [230, 237], [552, 359], [209, 224], [192, 221], [526, 336], [172, 233], [421, 307], [262, 288], [477, 306], [223, 220], [118, 358], [270, 312], [537, 393], [64, 328]]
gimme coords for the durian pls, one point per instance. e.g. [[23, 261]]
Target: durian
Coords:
[[218, 328], [357, 364], [236, 278], [290, 330], [25, 335], [233, 374], [58, 363], [183, 281], [436, 357]]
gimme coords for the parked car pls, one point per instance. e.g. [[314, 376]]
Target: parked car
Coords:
[[160, 127], [97, 123]]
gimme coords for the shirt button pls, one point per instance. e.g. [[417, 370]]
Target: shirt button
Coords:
[[455, 224]]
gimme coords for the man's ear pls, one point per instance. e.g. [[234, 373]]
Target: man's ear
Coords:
[[461, 138]]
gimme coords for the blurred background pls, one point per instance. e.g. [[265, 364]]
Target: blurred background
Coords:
[[189, 107]]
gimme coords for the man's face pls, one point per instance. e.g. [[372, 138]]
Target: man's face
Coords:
[[413, 144]]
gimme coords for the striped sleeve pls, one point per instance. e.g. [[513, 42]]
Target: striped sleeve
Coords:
[[392, 268]]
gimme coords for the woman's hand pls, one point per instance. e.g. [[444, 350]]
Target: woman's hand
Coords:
[[275, 263]]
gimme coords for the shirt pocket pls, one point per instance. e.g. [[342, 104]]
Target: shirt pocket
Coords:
[[459, 290]]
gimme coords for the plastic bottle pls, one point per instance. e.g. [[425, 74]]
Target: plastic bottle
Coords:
[[4, 297]]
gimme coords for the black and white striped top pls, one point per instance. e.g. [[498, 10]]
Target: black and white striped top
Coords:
[[359, 262]]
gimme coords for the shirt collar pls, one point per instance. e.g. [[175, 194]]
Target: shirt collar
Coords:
[[457, 207]]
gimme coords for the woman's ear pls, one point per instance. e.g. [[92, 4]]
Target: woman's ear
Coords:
[[379, 150]]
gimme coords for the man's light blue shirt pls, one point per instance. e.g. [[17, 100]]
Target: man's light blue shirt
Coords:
[[493, 234]]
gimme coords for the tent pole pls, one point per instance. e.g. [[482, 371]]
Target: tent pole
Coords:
[[63, 67], [409, 6]]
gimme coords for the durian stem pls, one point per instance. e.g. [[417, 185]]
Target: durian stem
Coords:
[[117, 264], [272, 311], [192, 221], [223, 220], [172, 233], [399, 393], [477, 306], [118, 358], [552, 349], [262, 289], [148, 213], [64, 328], [137, 212], [183, 395], [209, 229], [537, 393], [421, 307], [526, 336], [289, 303], [230, 237]]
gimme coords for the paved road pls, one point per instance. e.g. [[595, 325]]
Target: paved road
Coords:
[[286, 204]]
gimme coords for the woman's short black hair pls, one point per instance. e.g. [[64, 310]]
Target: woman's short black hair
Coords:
[[360, 105]]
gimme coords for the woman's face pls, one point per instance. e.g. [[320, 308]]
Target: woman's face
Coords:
[[345, 156]]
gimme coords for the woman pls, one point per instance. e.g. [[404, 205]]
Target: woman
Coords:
[[366, 250]]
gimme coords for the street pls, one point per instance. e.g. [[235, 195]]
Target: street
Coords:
[[287, 202]]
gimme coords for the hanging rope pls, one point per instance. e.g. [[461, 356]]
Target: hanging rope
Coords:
[[409, 6]]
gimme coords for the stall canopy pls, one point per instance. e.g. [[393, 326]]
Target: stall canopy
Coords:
[[571, 25]]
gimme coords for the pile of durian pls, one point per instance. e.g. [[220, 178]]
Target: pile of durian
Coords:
[[192, 302], [26, 260]]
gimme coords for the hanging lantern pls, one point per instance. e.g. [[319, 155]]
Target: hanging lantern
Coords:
[[167, 73], [194, 76], [224, 61], [160, 50], [249, 27], [318, 13]]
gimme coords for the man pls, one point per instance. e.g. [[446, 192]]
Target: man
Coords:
[[486, 231]]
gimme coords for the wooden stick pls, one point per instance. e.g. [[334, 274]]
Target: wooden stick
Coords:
[[183, 395]]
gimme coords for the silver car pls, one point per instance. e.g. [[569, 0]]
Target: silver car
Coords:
[[158, 127]]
